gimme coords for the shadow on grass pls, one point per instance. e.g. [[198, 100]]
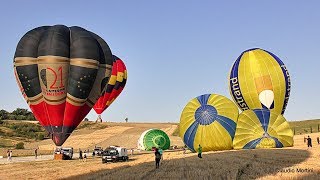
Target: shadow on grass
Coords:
[[243, 164]]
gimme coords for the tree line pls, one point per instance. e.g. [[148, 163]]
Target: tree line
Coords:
[[17, 114]]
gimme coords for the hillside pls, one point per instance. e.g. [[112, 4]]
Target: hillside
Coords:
[[305, 126], [90, 134]]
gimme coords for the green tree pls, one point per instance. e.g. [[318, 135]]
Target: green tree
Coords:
[[3, 114], [20, 145], [40, 136]]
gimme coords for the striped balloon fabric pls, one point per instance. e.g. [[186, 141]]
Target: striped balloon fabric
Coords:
[[259, 79], [115, 85], [262, 128], [60, 70], [209, 120], [153, 138]]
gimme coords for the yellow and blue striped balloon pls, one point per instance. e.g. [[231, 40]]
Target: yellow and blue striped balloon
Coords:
[[209, 120], [259, 79], [262, 128]]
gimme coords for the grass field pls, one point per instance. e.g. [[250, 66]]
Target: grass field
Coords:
[[286, 163], [296, 162]]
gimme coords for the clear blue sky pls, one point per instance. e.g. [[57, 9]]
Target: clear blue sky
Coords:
[[177, 50]]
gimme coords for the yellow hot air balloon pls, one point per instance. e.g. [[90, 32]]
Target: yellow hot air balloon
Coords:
[[209, 120], [262, 128], [259, 79]]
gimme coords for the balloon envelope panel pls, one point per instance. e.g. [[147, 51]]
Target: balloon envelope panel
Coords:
[[115, 85], [59, 70], [209, 120], [259, 79], [153, 138], [262, 128]]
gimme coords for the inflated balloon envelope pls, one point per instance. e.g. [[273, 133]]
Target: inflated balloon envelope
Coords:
[[209, 120], [262, 128], [153, 138], [259, 79], [60, 72], [115, 85], [260, 85]]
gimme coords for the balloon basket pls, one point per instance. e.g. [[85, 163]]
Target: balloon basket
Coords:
[[58, 157]]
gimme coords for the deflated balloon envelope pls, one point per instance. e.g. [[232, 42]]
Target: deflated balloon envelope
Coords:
[[153, 138], [60, 70], [209, 120], [262, 128], [116, 84], [259, 79]]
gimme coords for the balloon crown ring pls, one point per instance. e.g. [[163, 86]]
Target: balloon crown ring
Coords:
[[205, 114]]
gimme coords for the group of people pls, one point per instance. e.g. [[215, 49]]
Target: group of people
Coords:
[[83, 156], [9, 155]]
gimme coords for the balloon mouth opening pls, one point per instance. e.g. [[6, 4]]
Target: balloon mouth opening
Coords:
[[159, 141], [266, 135], [205, 114], [59, 138]]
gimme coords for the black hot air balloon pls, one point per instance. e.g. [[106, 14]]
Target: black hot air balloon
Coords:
[[60, 70]]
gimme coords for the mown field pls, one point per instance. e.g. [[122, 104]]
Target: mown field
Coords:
[[287, 163], [296, 162]]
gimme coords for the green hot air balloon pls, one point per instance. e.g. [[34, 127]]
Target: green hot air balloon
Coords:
[[153, 138]]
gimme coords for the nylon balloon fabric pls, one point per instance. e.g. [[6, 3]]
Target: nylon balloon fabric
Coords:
[[114, 87], [60, 72], [153, 138], [209, 120], [259, 79], [262, 128]]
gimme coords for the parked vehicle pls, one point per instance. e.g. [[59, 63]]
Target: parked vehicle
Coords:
[[114, 154], [98, 151], [66, 153]]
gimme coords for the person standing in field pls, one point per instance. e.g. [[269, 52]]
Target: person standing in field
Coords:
[[161, 153], [8, 155], [157, 158], [85, 156], [200, 151], [318, 140], [309, 141], [93, 154], [80, 154], [36, 153]]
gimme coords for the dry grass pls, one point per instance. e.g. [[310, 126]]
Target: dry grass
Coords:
[[101, 134], [242, 164]]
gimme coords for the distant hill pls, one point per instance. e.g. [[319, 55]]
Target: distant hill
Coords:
[[305, 126]]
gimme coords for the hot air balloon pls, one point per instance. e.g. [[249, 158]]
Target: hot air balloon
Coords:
[[153, 138], [209, 120], [60, 72], [259, 79], [114, 87], [262, 128]]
